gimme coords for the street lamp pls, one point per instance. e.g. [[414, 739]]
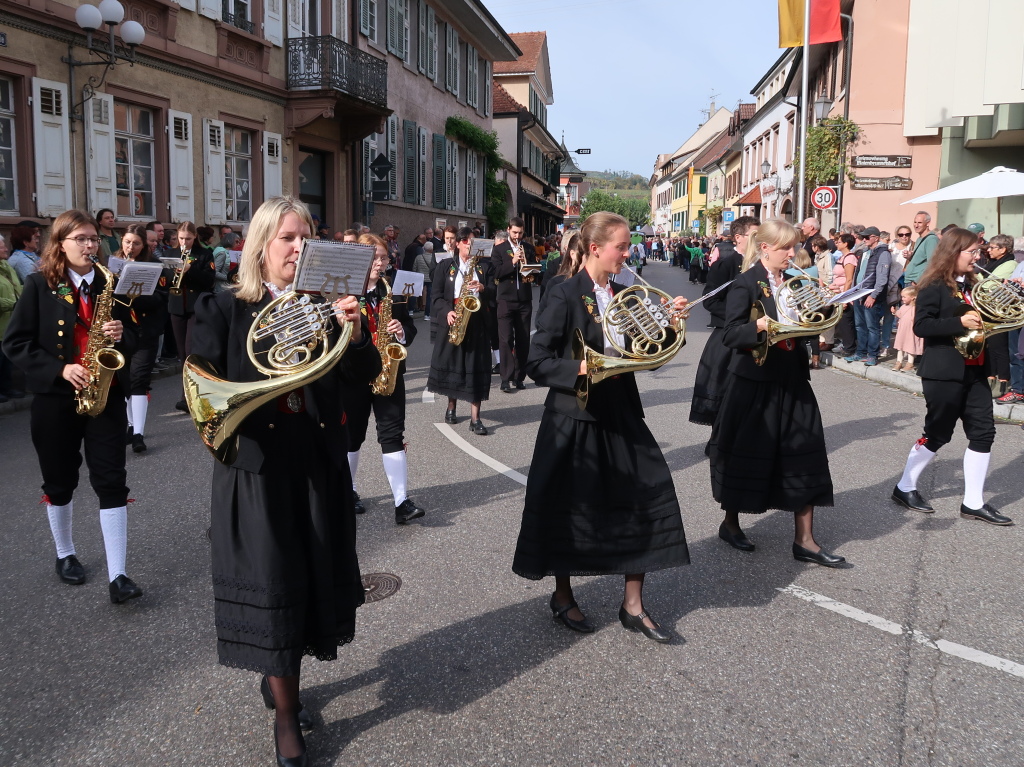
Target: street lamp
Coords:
[[822, 106], [766, 168], [714, 192]]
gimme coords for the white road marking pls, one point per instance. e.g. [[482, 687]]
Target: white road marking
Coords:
[[942, 645], [428, 397], [481, 456]]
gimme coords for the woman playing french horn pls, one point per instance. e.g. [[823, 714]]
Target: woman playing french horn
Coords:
[[767, 446], [599, 498], [285, 575]]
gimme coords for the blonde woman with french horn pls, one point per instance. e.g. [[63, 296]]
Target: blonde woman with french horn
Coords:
[[285, 575], [599, 498]]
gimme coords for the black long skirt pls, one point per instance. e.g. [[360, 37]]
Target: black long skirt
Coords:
[[767, 448], [599, 500], [462, 372], [285, 574], [712, 377]]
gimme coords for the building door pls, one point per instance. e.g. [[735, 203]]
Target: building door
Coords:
[[313, 180]]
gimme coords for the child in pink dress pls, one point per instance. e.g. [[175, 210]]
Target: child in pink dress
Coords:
[[907, 344]]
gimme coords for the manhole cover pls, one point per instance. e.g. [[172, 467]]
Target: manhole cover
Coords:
[[380, 586]]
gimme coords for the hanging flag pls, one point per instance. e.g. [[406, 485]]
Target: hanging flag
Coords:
[[825, 26]]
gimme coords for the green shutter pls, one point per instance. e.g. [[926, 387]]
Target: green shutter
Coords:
[[410, 186], [703, 185], [439, 174]]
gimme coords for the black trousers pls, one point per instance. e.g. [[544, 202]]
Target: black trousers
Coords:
[[141, 366], [388, 412], [969, 401], [847, 330], [58, 434], [997, 356], [182, 325], [492, 325], [514, 338]]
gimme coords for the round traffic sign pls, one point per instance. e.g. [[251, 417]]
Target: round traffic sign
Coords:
[[825, 197]]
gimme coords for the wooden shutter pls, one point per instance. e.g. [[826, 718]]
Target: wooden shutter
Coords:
[[364, 17], [392, 155], [449, 34], [294, 18], [410, 187], [472, 76], [99, 136], [214, 180], [470, 181], [404, 30], [52, 147], [369, 153], [439, 171], [455, 62], [179, 142], [421, 38], [272, 180], [488, 89], [392, 27], [188, 5], [273, 28], [423, 146], [431, 44], [211, 9]]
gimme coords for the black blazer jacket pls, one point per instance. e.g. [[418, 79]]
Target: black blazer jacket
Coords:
[[567, 306], [937, 320], [505, 273], [442, 300], [741, 333], [40, 338], [222, 327], [198, 279], [150, 312], [725, 268]]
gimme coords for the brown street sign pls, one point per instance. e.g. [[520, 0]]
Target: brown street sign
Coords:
[[882, 161], [887, 184]]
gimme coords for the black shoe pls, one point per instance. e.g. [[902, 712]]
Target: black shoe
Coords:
[[520, 385], [560, 613], [986, 513], [449, 416], [636, 623], [70, 570], [291, 761], [495, 370], [305, 720], [911, 499], [138, 444], [737, 541], [360, 509], [182, 406], [820, 557], [477, 427], [123, 588], [407, 512], [506, 386]]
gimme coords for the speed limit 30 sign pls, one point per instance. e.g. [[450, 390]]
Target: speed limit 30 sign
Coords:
[[825, 197]]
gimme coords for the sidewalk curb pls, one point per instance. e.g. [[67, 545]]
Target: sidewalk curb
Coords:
[[884, 374]]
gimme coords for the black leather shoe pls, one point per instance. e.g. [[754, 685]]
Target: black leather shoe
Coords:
[[123, 588], [305, 720], [738, 541], [477, 427], [407, 512], [291, 761], [181, 405], [360, 509], [820, 557], [449, 416], [495, 370], [986, 513], [911, 499], [70, 570], [636, 623], [560, 613], [138, 444], [520, 385], [506, 386]]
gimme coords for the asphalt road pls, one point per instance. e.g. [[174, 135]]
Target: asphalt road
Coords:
[[463, 666]]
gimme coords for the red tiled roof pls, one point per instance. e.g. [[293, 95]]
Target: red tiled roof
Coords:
[[747, 111], [531, 44], [753, 197], [502, 101], [715, 150]]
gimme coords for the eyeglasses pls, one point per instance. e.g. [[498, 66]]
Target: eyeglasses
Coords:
[[84, 241], [902, 234], [974, 252]]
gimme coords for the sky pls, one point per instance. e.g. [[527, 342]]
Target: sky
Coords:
[[632, 76]]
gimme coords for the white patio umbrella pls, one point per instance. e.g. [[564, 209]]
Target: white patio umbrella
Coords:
[[999, 182]]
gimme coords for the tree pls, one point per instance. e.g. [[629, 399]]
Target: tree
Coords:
[[637, 212]]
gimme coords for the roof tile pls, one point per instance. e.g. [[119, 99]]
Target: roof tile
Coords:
[[531, 44]]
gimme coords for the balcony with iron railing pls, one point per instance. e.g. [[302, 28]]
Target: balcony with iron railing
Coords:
[[327, 63], [236, 14]]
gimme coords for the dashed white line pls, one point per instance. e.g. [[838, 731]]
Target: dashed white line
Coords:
[[481, 456]]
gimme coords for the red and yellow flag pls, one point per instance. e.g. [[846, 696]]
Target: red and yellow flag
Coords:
[[825, 26]]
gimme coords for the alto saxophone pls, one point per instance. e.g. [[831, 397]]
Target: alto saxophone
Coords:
[[391, 352], [100, 358], [179, 274], [467, 304]]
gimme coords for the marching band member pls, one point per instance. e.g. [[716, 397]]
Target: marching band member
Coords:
[[47, 338], [463, 371], [955, 388], [515, 304], [197, 277], [388, 409], [285, 574], [767, 446], [600, 498]]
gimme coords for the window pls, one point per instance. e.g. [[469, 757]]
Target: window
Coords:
[[368, 18], [472, 76], [451, 60], [488, 94], [236, 13], [133, 158], [472, 182], [238, 173], [398, 28], [424, 153], [451, 185], [8, 185], [538, 108], [369, 154]]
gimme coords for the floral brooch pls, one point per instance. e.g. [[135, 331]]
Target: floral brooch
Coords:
[[764, 288], [64, 291], [591, 305]]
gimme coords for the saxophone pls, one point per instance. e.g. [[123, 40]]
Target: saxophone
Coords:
[[100, 358], [468, 303], [391, 352]]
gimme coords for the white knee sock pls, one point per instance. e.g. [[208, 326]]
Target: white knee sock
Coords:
[[353, 466], [396, 467], [114, 523], [60, 526], [919, 458], [139, 409], [975, 470]]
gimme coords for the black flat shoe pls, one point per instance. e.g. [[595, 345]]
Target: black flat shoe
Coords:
[[506, 387], [986, 513], [360, 509], [561, 613], [495, 370], [291, 761], [70, 570], [123, 588], [181, 405], [636, 623], [820, 557], [449, 416], [520, 385], [477, 427], [737, 541], [911, 499], [407, 512], [138, 444], [305, 720]]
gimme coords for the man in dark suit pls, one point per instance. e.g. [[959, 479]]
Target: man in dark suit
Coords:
[[515, 304]]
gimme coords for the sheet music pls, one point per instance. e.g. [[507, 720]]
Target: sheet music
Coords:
[[850, 295], [115, 264], [333, 269], [173, 263], [138, 278], [407, 284], [481, 247], [626, 278]]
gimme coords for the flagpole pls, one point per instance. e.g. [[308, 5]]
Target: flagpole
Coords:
[[804, 98]]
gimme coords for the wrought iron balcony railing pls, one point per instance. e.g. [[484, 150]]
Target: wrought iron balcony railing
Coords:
[[235, 14], [327, 63]]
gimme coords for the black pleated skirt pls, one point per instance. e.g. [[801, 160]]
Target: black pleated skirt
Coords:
[[599, 500], [767, 448], [462, 372], [712, 377], [285, 574]]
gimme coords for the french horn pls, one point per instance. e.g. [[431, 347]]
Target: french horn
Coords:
[[1000, 303], [804, 310]]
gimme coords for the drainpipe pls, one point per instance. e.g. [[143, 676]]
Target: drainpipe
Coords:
[[846, 112]]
